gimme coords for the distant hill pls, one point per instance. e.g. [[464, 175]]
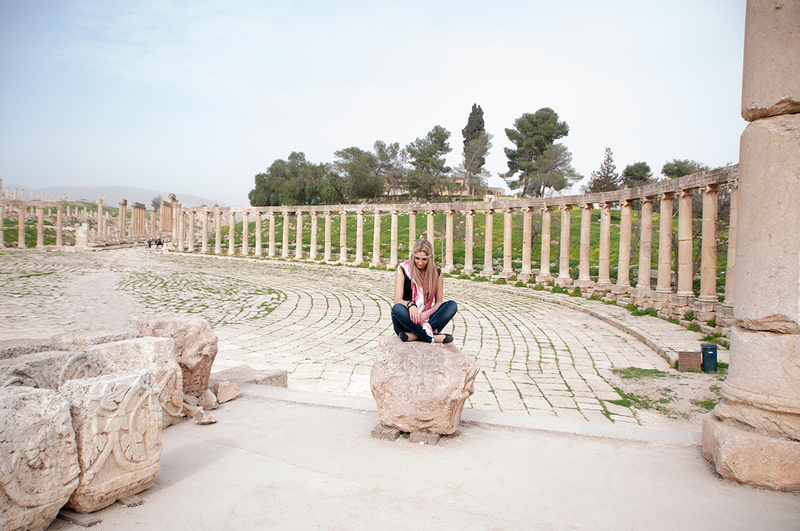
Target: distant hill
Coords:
[[114, 194]]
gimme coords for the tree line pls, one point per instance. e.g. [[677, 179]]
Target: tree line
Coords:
[[538, 165]]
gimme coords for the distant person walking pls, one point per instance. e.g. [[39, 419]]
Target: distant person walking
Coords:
[[419, 312]]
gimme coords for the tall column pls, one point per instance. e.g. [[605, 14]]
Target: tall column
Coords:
[[685, 273], [21, 227], [508, 269], [488, 268], [122, 219], [449, 266], [343, 236], [393, 241], [179, 226], [39, 227], [468, 243], [217, 231], [604, 273], [753, 434], [704, 307], [527, 244], [328, 235], [643, 279], [285, 241], [245, 233], [412, 229], [564, 278], [725, 310], [153, 222], [431, 231], [59, 227], [298, 249], [259, 251], [231, 233], [359, 238], [584, 267], [312, 251], [376, 240], [2, 224], [101, 222], [272, 250], [663, 287], [624, 263], [544, 268], [190, 232], [204, 240]]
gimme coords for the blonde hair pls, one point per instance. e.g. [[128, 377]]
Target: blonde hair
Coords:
[[431, 271]]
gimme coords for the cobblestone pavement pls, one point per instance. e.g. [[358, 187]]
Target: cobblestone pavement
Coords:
[[538, 354]]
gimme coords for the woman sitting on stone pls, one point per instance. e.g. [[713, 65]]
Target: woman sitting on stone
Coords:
[[419, 312]]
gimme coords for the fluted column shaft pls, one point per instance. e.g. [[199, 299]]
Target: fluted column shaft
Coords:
[[343, 236], [285, 240], [544, 267], [563, 255], [449, 266], [190, 233], [217, 231], [245, 233], [708, 268], [604, 273], [643, 280], [527, 243], [312, 251], [359, 238], [412, 229], [328, 235], [204, 244], [59, 226], [231, 233], [431, 231], [21, 227], [39, 227], [259, 243], [730, 271], [488, 268], [584, 266], [298, 245], [685, 244]]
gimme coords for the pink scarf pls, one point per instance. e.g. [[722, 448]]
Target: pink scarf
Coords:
[[418, 295]]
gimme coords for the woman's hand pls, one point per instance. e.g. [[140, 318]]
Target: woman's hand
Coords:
[[415, 314]]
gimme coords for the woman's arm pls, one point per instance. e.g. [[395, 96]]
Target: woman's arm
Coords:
[[399, 288], [438, 299]]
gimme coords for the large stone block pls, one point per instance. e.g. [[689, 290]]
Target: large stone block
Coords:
[[771, 74], [154, 353], [767, 294], [764, 370], [38, 457], [421, 386], [195, 347], [117, 423], [750, 457], [46, 370], [767, 422]]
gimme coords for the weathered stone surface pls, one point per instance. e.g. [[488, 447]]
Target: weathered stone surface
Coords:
[[38, 457], [421, 386], [766, 422], [764, 370], [117, 422], [202, 418], [191, 409], [83, 340], [771, 75], [751, 457], [154, 353], [424, 437], [244, 374], [767, 294], [226, 391], [207, 400], [46, 370], [385, 433], [12, 348], [195, 346]]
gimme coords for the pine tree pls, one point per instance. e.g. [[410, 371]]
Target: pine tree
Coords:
[[606, 178]]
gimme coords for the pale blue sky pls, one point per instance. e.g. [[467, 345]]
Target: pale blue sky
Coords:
[[196, 97]]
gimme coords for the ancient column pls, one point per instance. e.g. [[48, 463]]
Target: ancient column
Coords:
[[643, 279], [431, 231], [190, 232], [393, 241], [725, 310], [604, 262], [231, 232], [624, 263], [664, 287], [584, 267], [204, 240], [704, 307], [2, 225], [343, 236], [21, 227], [488, 267], [259, 236], [359, 238], [101, 222], [753, 434], [59, 227], [298, 249], [272, 250], [153, 221], [469, 236], [544, 268], [685, 273], [328, 237], [122, 219], [39, 227], [564, 278], [175, 211], [527, 244], [412, 229], [376, 240], [179, 226], [217, 230], [312, 251], [245, 232], [508, 269], [449, 266], [285, 241]]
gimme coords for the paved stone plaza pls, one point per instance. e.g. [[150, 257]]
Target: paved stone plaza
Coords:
[[322, 323]]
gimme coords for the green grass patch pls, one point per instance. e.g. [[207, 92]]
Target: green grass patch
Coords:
[[635, 373]]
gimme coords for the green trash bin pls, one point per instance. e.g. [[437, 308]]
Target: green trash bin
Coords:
[[709, 357]]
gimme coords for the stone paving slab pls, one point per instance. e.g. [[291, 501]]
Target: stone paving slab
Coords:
[[538, 353]]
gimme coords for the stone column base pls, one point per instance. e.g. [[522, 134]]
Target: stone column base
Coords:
[[448, 269], [621, 290], [563, 281], [749, 457], [704, 310], [544, 279], [506, 273], [524, 277], [584, 284], [487, 273], [468, 271], [725, 316], [660, 299]]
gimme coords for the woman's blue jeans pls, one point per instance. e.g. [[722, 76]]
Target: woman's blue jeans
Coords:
[[402, 320]]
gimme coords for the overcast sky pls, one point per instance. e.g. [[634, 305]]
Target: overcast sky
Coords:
[[197, 96]]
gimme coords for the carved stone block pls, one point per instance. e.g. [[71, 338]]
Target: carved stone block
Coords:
[[46, 370], [421, 386], [38, 457], [154, 353], [117, 422], [195, 347]]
